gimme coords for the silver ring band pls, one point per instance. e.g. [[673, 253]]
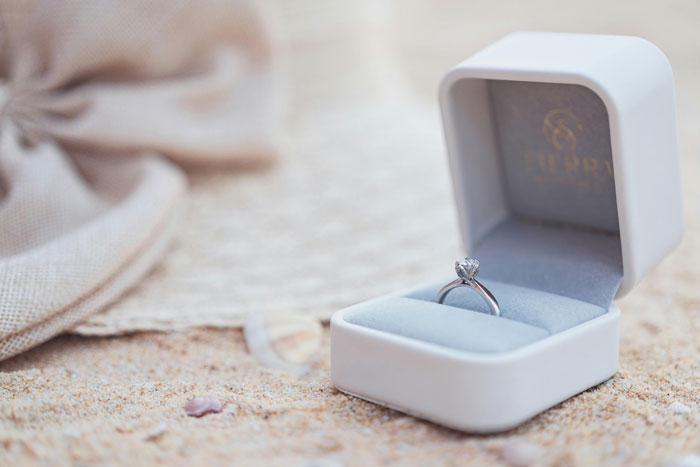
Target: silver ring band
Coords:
[[467, 269]]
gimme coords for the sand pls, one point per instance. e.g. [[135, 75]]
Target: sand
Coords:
[[81, 400]]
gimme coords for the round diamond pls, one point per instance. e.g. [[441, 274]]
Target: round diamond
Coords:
[[467, 269]]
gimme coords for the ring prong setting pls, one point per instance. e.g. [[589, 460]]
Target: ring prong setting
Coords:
[[467, 269]]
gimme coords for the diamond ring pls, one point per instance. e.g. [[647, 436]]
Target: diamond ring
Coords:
[[466, 270]]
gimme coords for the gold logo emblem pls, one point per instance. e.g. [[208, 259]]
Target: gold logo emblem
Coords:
[[563, 164], [560, 127]]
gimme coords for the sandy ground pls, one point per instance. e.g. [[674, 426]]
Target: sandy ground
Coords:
[[80, 400]]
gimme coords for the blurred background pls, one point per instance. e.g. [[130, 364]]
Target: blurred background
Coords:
[[339, 43]]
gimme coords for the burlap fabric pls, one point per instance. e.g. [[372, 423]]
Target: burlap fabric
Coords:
[[93, 95]]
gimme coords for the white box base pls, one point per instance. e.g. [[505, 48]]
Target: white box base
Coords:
[[479, 393], [490, 392]]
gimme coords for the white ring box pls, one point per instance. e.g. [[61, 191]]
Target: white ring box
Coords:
[[564, 158]]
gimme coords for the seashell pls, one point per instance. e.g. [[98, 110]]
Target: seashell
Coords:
[[520, 453], [677, 407], [155, 432], [284, 340], [202, 405]]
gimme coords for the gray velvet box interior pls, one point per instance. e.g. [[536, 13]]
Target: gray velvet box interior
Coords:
[[555, 261], [556, 156], [463, 322], [574, 263]]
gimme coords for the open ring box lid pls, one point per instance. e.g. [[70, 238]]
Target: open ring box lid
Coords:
[[564, 159]]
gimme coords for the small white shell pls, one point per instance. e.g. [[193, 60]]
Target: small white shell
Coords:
[[202, 405], [677, 407], [520, 453], [284, 340], [155, 432]]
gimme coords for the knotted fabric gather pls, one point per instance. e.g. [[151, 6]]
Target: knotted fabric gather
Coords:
[[100, 103]]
